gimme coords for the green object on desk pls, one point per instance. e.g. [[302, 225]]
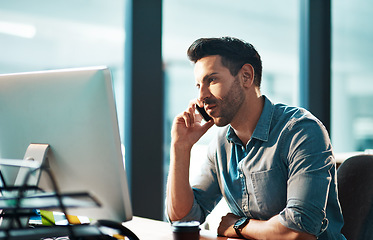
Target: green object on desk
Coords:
[[47, 218]]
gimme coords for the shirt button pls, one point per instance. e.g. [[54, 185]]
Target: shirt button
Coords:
[[241, 175], [245, 208]]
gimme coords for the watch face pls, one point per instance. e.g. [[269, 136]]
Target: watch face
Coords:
[[240, 222]]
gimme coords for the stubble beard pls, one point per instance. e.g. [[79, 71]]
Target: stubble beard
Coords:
[[229, 104]]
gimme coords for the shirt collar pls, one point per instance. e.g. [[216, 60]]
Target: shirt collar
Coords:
[[262, 128]]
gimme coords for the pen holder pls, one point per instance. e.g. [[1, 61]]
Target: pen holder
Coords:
[[185, 230]]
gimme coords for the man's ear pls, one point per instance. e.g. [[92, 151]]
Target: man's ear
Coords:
[[247, 75]]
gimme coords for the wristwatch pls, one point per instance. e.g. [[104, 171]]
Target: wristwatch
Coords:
[[239, 224]]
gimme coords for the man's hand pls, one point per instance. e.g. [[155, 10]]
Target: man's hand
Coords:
[[187, 127], [226, 225]]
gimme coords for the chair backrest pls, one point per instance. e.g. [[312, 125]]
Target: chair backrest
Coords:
[[355, 192]]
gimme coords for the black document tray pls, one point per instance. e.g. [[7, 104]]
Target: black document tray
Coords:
[[49, 201], [48, 232]]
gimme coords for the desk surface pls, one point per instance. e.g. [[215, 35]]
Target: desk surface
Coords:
[[147, 229]]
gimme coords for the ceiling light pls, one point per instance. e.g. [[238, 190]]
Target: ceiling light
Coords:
[[17, 29]]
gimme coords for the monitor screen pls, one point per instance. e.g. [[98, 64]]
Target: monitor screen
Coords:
[[72, 110]]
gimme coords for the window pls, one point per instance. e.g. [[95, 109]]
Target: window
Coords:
[[352, 75]]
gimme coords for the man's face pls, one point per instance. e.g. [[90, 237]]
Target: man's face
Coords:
[[221, 93]]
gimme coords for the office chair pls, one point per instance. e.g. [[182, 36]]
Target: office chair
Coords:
[[355, 192]]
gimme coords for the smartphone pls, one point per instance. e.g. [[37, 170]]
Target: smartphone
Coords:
[[203, 113]]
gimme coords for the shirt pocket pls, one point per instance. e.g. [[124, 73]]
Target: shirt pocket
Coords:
[[270, 191]]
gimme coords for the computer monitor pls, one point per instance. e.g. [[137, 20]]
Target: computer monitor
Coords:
[[72, 110]]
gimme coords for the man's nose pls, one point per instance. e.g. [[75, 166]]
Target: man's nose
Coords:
[[204, 93]]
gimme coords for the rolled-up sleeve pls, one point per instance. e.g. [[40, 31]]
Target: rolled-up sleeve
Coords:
[[300, 218]]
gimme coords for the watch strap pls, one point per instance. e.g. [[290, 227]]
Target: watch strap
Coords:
[[240, 223], [239, 233]]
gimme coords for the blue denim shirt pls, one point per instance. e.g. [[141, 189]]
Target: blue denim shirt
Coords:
[[287, 168]]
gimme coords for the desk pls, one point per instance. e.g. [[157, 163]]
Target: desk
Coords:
[[147, 229]]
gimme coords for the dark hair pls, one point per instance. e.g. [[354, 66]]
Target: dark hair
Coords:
[[234, 52]]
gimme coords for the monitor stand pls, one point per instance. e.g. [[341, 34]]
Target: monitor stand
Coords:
[[37, 153]]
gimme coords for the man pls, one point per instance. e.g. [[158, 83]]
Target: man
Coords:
[[272, 163]]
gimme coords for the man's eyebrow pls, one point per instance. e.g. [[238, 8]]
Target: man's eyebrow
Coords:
[[205, 78]]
